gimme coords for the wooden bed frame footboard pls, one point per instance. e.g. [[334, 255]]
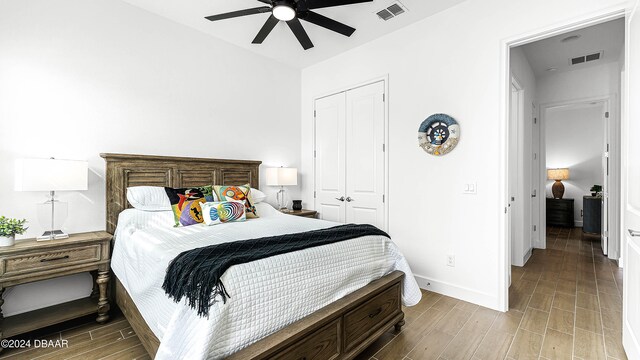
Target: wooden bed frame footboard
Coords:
[[340, 330]]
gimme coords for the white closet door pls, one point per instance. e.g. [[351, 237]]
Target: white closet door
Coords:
[[330, 157], [365, 155]]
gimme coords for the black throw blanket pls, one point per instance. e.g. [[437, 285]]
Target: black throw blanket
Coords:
[[196, 273]]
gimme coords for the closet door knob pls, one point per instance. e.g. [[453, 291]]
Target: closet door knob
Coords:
[[634, 233], [341, 198], [349, 199]]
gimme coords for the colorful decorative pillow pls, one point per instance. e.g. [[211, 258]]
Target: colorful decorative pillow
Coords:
[[237, 193], [186, 203], [223, 212]]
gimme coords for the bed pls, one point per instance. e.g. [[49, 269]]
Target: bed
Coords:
[[301, 308]]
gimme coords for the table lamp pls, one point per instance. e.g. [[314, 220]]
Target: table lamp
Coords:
[[558, 175], [281, 177], [51, 175]]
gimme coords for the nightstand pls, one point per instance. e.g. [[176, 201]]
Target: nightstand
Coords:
[[303, 213], [560, 212], [30, 260]]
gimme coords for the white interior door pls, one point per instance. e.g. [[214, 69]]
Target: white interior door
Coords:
[[514, 213], [606, 168], [631, 197], [330, 113], [365, 155]]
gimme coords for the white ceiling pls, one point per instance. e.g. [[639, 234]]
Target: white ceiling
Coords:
[[281, 44], [553, 53]]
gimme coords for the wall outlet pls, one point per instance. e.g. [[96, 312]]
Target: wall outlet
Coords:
[[451, 260]]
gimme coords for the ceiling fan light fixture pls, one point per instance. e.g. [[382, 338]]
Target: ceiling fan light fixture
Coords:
[[284, 12]]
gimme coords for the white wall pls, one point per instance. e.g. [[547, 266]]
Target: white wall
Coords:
[[81, 77], [600, 81], [574, 139], [522, 243], [448, 63]]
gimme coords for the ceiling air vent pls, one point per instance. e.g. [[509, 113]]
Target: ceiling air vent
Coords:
[[385, 14], [389, 12], [586, 58]]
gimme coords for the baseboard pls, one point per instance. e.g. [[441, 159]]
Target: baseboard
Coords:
[[458, 292]]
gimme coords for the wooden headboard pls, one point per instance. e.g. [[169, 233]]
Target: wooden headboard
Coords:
[[125, 170]]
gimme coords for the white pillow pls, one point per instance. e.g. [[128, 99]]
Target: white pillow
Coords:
[[257, 196], [148, 198]]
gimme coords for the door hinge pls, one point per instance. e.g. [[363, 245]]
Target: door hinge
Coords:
[[383, 148], [383, 98], [606, 233], [606, 115], [535, 156], [535, 228], [314, 114], [505, 210], [314, 194], [535, 120], [314, 154], [382, 197]]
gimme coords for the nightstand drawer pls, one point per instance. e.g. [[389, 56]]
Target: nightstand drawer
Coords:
[[37, 261]]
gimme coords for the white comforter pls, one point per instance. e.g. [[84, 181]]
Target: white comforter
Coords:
[[266, 295]]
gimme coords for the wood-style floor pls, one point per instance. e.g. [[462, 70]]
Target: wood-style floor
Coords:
[[87, 340], [565, 304]]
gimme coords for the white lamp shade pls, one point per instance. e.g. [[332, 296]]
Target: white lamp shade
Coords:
[[51, 175], [558, 174], [281, 176]]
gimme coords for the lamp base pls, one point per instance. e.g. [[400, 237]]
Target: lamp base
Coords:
[[557, 189], [52, 235]]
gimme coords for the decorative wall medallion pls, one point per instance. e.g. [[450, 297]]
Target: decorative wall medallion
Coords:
[[439, 134]]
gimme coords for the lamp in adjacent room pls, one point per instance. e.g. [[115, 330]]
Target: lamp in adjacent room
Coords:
[[558, 175], [281, 177], [51, 175]]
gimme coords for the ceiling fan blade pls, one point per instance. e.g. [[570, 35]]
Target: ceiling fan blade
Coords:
[[300, 33], [317, 4], [327, 23], [265, 1], [266, 30], [252, 11]]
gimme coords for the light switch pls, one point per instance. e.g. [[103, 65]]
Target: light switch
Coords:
[[470, 189]]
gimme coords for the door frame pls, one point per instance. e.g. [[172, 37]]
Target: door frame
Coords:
[[385, 80], [608, 14], [614, 168]]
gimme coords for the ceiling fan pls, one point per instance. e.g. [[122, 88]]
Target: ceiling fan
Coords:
[[292, 11]]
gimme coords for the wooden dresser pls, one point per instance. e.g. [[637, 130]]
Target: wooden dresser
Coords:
[[30, 260], [560, 212]]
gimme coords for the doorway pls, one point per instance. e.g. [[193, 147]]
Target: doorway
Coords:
[[564, 114]]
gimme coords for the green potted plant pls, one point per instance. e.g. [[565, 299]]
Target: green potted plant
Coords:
[[595, 190], [9, 228]]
